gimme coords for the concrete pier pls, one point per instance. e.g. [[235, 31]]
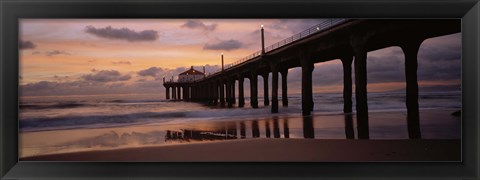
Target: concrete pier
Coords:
[[241, 96], [348, 40]]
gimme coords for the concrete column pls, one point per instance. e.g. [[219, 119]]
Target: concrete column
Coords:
[[215, 93], [193, 93], [410, 49], [347, 83], [204, 92], [201, 92], [241, 96], [266, 100], [179, 96], [361, 90], [229, 93], [222, 94], [183, 93], [174, 92], [253, 90], [167, 92], [212, 93], [284, 88], [307, 94], [233, 92], [274, 88]]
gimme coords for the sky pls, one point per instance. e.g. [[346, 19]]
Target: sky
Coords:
[[131, 56]]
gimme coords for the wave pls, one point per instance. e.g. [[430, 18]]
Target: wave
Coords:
[[35, 124], [136, 101], [51, 106]]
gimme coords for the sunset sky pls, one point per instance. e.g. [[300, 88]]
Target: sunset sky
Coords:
[[105, 56]]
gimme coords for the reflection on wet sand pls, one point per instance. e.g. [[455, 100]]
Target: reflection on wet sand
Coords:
[[349, 132], [309, 127], [286, 132], [308, 131], [267, 129], [276, 129], [243, 133], [255, 129]]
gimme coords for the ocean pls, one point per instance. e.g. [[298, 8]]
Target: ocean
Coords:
[[99, 111], [50, 125]]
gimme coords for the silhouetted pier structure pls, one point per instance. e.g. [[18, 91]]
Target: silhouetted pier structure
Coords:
[[346, 39]]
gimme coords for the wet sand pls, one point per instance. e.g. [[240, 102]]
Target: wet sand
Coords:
[[314, 138], [277, 150]]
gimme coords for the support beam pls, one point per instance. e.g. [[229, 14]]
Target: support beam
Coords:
[[241, 96], [347, 83], [167, 92], [233, 92], [410, 49], [179, 96], [274, 88], [266, 100], [361, 90], [184, 95], [222, 93], [174, 93], [215, 93], [253, 90], [284, 87], [229, 93], [307, 94]]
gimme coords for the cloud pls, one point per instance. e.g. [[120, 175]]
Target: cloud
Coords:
[[197, 24], [226, 45], [56, 52], [122, 34], [106, 76], [52, 53], [152, 71], [122, 63], [27, 45], [294, 25]]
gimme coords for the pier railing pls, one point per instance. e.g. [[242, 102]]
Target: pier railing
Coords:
[[322, 27]]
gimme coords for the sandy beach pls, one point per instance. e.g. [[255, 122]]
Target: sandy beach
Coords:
[[314, 138], [277, 150]]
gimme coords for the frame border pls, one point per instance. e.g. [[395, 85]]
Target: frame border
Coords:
[[12, 10]]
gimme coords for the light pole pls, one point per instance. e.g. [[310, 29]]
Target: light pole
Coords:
[[263, 39], [222, 62]]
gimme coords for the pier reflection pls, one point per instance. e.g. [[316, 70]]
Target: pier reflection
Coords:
[[303, 127], [349, 132], [308, 130]]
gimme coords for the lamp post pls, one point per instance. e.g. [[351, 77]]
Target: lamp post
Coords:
[[222, 62], [263, 40]]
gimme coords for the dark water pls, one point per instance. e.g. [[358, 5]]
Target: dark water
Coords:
[[74, 112], [106, 122]]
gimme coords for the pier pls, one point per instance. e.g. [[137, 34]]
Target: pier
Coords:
[[346, 39]]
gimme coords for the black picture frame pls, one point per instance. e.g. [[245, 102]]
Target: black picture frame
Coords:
[[12, 10]]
